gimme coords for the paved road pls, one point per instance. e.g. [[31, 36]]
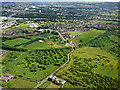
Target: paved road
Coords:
[[59, 67], [55, 70], [29, 79], [2, 52], [61, 36]]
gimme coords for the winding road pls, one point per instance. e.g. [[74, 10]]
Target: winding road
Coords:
[[59, 67]]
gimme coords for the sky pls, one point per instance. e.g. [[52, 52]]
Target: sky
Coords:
[[60, 0]]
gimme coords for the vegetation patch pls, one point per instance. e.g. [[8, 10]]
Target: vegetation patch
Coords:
[[35, 64], [107, 41], [52, 85], [19, 83], [16, 41], [108, 21], [87, 36], [89, 67], [75, 32]]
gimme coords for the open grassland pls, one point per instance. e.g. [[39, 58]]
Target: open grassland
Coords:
[[45, 84], [47, 44], [16, 41], [19, 83], [20, 26], [114, 38], [49, 84], [88, 67], [87, 36], [16, 68], [35, 64], [52, 85], [108, 21], [38, 45], [106, 63], [75, 32], [107, 41]]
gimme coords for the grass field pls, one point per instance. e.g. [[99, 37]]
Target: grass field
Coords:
[[20, 70], [45, 84], [75, 32], [16, 68], [107, 14], [19, 83], [105, 63], [47, 44], [114, 38], [20, 26], [108, 21], [87, 36], [52, 85], [49, 84], [90, 52], [15, 41]]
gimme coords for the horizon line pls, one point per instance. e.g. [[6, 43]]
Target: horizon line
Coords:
[[62, 1]]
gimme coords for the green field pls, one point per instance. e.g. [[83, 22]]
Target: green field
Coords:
[[114, 38], [52, 85], [49, 84], [87, 36], [18, 69], [20, 26], [90, 63], [19, 83], [47, 44], [35, 64], [16, 41], [108, 21], [90, 52], [45, 84], [75, 32]]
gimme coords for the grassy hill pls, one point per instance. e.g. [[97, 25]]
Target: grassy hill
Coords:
[[89, 67], [107, 41]]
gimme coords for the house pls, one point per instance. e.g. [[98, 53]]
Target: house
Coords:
[[72, 43], [61, 81], [41, 41], [6, 77]]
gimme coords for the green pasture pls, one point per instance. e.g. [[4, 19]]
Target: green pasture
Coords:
[[19, 83], [13, 68], [75, 32], [91, 52], [20, 26], [108, 21], [98, 58], [47, 44], [87, 36], [16, 41], [114, 38]]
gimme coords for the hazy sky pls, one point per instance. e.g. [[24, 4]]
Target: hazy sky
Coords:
[[60, 0]]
